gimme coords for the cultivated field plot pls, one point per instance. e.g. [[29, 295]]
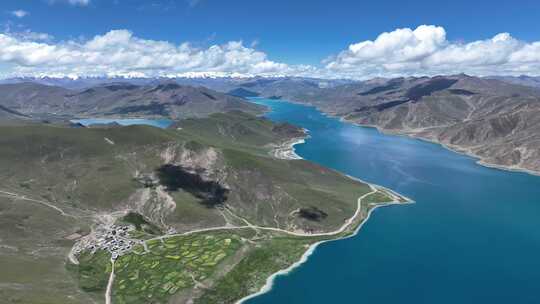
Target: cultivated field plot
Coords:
[[170, 265]]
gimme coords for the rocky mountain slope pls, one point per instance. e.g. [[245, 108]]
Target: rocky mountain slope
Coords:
[[166, 99], [497, 121], [523, 80], [492, 118], [9, 114], [221, 84]]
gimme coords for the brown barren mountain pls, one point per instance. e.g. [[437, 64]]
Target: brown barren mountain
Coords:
[[166, 99], [496, 121]]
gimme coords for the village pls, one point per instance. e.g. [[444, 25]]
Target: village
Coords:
[[115, 239]]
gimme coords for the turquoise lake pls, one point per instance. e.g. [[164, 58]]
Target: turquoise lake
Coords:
[[473, 235]]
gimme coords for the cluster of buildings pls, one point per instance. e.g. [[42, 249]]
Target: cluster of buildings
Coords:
[[114, 239]]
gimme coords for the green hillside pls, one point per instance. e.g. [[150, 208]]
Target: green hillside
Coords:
[[62, 189]]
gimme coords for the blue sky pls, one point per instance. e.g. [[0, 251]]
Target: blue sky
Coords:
[[299, 32]]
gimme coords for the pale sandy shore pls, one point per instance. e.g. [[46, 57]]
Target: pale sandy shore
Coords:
[[480, 160], [286, 149]]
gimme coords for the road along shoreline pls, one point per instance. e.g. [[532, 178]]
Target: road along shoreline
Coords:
[[287, 151], [271, 279]]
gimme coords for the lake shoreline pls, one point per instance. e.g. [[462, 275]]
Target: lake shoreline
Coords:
[[456, 149], [267, 287], [287, 151], [452, 189]]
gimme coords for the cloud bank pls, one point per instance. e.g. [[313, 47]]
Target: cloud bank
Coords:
[[402, 52], [426, 51], [119, 53]]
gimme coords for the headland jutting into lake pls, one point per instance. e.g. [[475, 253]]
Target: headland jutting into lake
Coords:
[[473, 234]]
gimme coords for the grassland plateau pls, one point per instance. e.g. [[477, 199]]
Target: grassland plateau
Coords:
[[201, 212]]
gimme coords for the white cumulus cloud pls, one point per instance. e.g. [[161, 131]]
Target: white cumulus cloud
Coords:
[[426, 51], [119, 52], [19, 13], [402, 52]]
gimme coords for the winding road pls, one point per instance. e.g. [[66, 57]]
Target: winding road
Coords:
[[302, 234], [24, 197]]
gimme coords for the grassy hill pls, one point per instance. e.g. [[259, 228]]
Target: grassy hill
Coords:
[[61, 185]]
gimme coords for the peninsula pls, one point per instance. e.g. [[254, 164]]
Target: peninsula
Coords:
[[205, 211]]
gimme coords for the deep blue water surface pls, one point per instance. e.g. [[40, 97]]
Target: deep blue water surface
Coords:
[[473, 235], [160, 123]]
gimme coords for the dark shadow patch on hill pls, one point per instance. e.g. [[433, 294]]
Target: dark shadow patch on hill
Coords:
[[165, 87], [383, 106], [241, 92], [461, 92], [312, 213], [175, 178], [288, 130], [121, 87], [13, 112], [391, 85], [154, 108], [209, 96], [425, 89], [414, 94]]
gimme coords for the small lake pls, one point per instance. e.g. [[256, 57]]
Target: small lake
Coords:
[[473, 235], [159, 123]]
